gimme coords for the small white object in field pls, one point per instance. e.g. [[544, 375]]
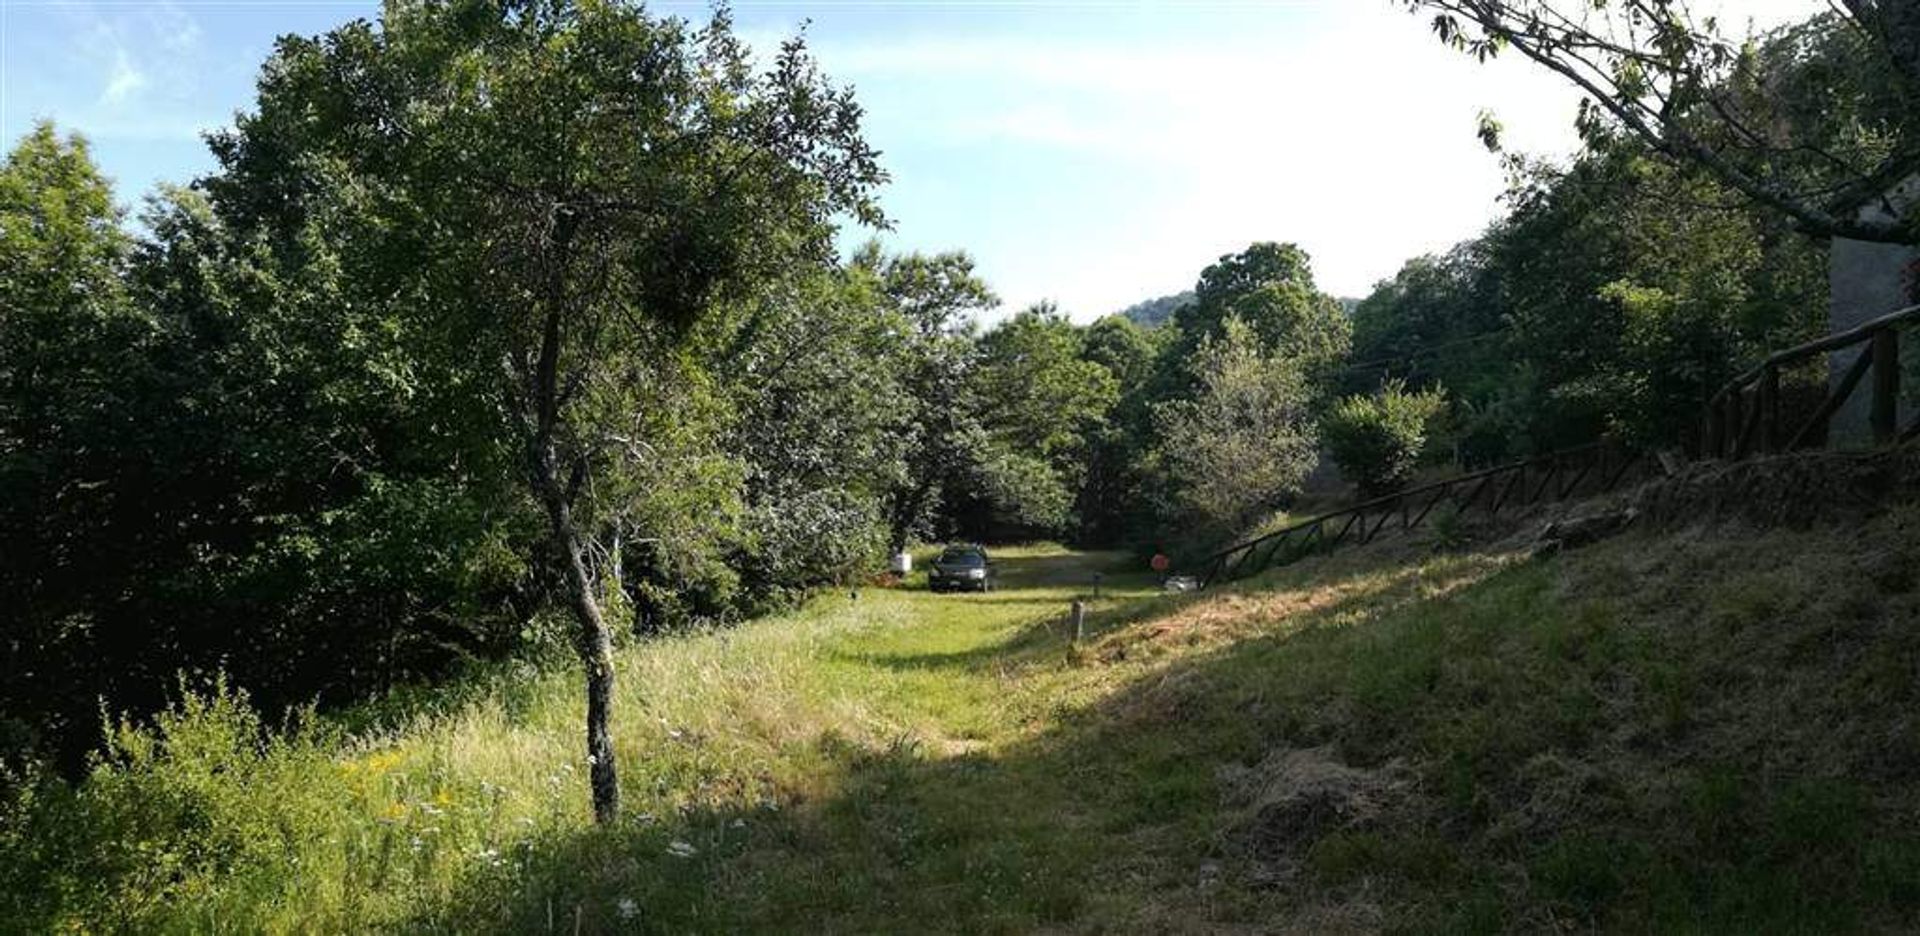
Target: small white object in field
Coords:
[[628, 909], [1182, 583], [902, 563], [680, 849]]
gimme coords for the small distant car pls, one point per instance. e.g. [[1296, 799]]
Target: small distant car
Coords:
[[967, 568]]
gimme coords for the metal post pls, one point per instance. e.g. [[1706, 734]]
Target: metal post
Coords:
[[1079, 621]]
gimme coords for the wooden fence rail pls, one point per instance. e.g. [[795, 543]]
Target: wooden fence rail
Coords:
[[1583, 471], [1746, 417]]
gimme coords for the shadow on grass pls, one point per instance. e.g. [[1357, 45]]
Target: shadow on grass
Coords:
[[1119, 815], [1045, 639]]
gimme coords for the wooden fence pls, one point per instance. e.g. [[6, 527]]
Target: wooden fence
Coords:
[[1583, 471], [1746, 416]]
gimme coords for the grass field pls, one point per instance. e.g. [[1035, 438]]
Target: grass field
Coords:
[[1710, 731]]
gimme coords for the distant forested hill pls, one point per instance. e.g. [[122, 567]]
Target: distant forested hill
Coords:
[[1154, 311]]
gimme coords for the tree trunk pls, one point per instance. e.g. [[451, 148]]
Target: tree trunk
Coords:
[[595, 642], [907, 505]]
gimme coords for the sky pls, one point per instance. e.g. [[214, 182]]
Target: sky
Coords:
[[1090, 152]]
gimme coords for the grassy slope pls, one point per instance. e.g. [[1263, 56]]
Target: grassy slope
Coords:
[[1707, 731]]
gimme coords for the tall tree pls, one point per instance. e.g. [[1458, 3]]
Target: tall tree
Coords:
[[67, 333], [1110, 498], [1685, 87], [1240, 445], [819, 368], [554, 193], [937, 295], [1042, 403], [1269, 287]]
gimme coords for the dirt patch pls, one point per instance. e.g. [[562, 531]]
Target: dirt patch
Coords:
[[1297, 796]]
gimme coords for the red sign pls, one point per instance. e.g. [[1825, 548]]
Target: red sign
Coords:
[[1159, 563]]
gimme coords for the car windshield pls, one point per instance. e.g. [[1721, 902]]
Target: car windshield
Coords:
[[962, 557]]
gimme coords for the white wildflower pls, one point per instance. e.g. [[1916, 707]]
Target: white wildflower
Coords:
[[628, 908], [681, 849]]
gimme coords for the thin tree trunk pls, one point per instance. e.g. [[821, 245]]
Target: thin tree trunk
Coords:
[[596, 652], [594, 642]]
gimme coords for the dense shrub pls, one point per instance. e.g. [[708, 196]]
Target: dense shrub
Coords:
[[1377, 438]]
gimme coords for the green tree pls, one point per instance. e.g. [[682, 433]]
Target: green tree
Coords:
[[1041, 402], [1684, 88], [818, 372], [1241, 445], [1111, 498], [1377, 439], [1269, 287], [67, 338], [937, 296], [1439, 319], [556, 194]]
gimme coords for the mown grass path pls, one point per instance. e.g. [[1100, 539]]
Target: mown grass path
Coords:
[[923, 782], [894, 760]]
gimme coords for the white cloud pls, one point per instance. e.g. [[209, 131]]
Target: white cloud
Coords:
[[1352, 134], [123, 81]]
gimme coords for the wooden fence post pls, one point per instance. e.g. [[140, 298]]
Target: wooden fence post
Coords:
[[1768, 401], [1736, 423], [1716, 431], [1886, 385]]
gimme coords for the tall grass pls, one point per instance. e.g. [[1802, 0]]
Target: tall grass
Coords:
[[207, 820], [1701, 732]]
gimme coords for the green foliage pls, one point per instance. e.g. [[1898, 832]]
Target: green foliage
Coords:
[[1614, 298], [1241, 445], [934, 296], [1269, 287], [1154, 312], [1378, 439], [1113, 503], [1438, 320], [1044, 401], [816, 373], [206, 794]]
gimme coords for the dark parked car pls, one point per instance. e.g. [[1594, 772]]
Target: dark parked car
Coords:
[[962, 567]]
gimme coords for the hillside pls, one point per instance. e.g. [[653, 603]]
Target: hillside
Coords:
[[1152, 312], [1711, 729]]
